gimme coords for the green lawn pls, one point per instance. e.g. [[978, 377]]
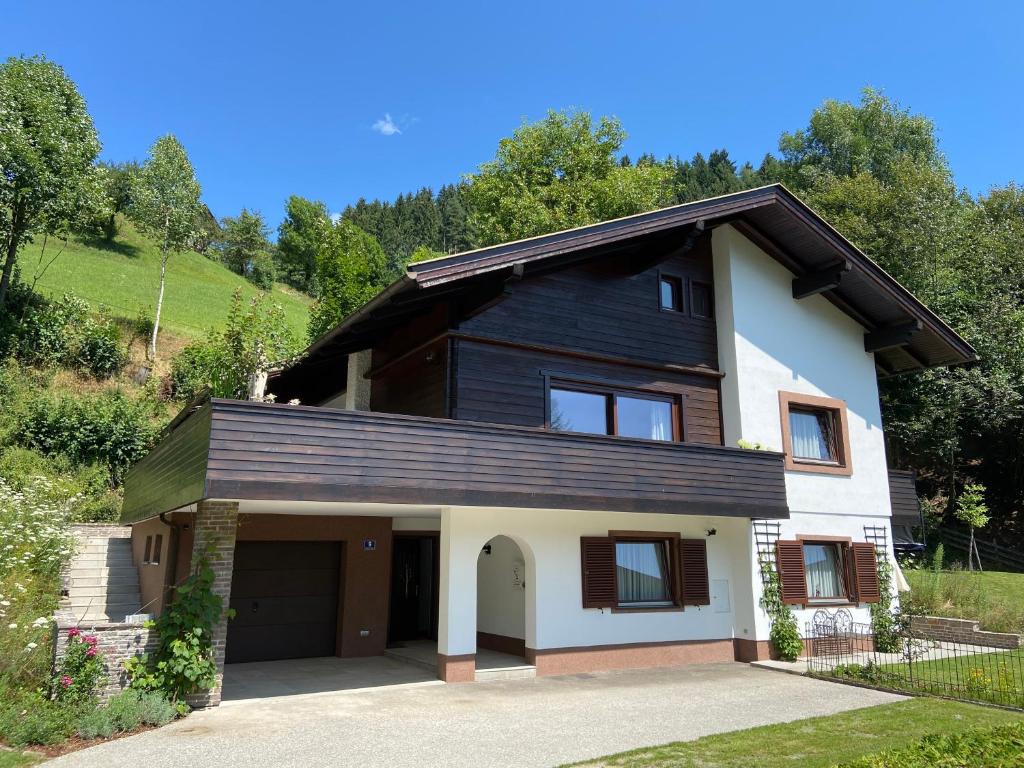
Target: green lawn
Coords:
[[994, 598], [15, 759], [126, 277], [819, 741]]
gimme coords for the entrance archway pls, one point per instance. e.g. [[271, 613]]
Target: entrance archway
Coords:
[[501, 598]]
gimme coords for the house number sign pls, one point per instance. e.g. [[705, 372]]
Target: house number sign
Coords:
[[369, 544]]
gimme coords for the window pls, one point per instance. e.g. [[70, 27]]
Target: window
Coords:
[[671, 293], [148, 549], [628, 414], [637, 570], [824, 569], [701, 300], [158, 545], [815, 436], [642, 573]]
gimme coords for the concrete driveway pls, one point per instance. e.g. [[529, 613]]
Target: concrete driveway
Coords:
[[542, 722]]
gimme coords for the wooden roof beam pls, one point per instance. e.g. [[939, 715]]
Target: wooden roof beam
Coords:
[[826, 279], [887, 337]]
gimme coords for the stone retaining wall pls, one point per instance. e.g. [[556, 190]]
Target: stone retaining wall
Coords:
[[961, 631], [116, 642]]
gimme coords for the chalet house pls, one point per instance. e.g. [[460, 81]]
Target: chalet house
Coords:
[[577, 449]]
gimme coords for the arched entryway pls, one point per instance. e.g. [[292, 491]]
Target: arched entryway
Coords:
[[501, 596]]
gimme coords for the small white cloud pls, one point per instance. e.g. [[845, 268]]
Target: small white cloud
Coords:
[[386, 126]]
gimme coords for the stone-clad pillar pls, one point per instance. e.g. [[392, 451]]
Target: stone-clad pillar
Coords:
[[215, 526]]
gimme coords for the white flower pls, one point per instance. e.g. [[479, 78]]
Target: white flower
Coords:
[[31, 647], [5, 602], [42, 621], [12, 626]]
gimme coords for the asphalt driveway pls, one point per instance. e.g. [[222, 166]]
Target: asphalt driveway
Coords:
[[542, 722]]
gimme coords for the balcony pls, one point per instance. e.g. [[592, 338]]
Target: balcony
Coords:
[[241, 450]]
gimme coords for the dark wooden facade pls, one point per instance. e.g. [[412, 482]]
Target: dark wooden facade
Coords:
[[298, 453], [598, 324]]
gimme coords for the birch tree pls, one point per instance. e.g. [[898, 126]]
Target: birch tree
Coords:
[[165, 204]]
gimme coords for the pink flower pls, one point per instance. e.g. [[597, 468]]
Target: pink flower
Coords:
[[90, 640], [66, 681], [90, 652], [74, 632]]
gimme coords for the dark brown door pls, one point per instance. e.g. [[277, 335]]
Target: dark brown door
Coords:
[[285, 596], [413, 611]]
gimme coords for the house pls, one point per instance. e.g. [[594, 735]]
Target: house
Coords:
[[534, 448]]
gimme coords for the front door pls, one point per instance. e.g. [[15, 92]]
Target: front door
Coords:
[[413, 612]]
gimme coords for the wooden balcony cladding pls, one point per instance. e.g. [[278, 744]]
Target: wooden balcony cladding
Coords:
[[296, 453], [173, 474]]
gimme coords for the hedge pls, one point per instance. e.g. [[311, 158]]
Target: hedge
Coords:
[[998, 747]]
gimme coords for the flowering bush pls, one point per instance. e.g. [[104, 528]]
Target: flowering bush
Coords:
[[35, 541], [80, 670]]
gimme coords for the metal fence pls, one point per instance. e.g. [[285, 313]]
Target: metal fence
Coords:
[[846, 651]]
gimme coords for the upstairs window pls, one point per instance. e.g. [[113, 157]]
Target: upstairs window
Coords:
[[701, 300], [645, 415], [815, 435], [671, 293]]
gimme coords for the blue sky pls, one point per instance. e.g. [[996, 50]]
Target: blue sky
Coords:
[[272, 99]]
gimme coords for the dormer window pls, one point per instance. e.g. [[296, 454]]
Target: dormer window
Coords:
[[671, 293], [701, 300]]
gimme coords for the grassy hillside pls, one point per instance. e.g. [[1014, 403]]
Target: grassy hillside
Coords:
[[994, 598], [125, 277]]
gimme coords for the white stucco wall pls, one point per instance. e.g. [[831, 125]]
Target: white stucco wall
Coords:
[[550, 543], [769, 342], [500, 600]]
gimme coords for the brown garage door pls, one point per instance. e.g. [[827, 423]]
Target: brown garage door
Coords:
[[285, 596]]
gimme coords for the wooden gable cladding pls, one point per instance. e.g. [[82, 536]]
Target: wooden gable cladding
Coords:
[[597, 559], [693, 568], [601, 308], [865, 572], [789, 560]]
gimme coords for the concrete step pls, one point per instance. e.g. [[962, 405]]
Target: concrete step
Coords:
[[77, 582], [129, 588], [524, 672], [102, 571], [111, 560]]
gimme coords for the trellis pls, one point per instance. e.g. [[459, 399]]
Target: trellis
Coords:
[[766, 533]]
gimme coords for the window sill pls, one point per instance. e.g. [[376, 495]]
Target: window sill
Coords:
[[817, 467], [648, 609], [831, 604]]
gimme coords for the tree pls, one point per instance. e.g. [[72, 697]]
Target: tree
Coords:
[[972, 511], [245, 247], [350, 270], [300, 237], [117, 187], [47, 147], [557, 173], [165, 204], [256, 335]]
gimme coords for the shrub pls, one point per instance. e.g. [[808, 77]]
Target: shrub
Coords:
[[194, 369], [49, 333], [784, 633], [101, 351], [80, 670], [95, 725], [31, 718], [155, 709], [108, 427], [261, 271], [993, 747], [125, 711]]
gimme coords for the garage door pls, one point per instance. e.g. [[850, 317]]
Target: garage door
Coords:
[[285, 596]]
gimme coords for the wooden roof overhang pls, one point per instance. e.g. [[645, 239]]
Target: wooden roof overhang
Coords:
[[900, 330]]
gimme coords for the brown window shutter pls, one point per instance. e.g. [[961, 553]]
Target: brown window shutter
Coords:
[[597, 555], [694, 568], [789, 559], [865, 572]]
